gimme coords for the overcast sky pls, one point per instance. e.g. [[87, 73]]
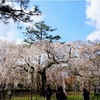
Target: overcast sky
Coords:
[[74, 20]]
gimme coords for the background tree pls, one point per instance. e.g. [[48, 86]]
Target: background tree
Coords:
[[20, 64], [9, 77], [39, 32]]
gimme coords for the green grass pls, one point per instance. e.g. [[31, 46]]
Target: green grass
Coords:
[[36, 97], [78, 96], [74, 96], [70, 96]]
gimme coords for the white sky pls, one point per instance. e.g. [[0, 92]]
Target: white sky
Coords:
[[93, 14]]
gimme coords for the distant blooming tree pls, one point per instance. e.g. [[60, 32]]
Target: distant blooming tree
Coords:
[[48, 62], [9, 77]]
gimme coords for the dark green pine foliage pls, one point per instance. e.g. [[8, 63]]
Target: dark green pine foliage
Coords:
[[39, 32], [9, 12]]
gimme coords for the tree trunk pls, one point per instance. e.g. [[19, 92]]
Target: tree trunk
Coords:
[[10, 94], [44, 78], [31, 86]]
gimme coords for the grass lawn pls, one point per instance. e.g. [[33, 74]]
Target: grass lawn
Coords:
[[70, 96]]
